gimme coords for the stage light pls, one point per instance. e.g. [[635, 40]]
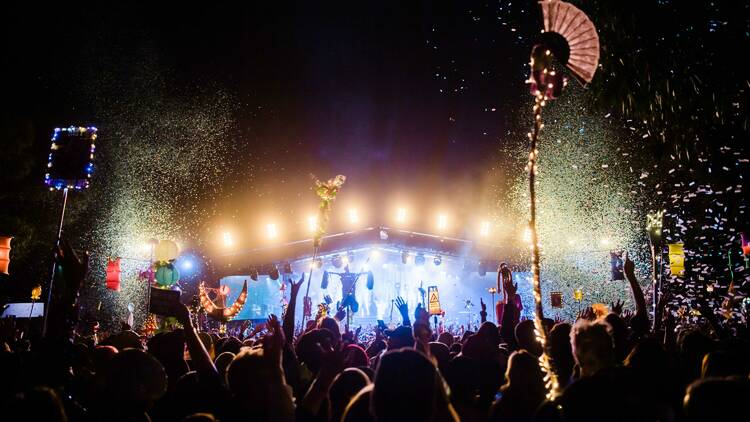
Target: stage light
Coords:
[[228, 240], [604, 242], [419, 259], [274, 273], [374, 254], [438, 260], [317, 264], [312, 224], [287, 268], [350, 257], [482, 270], [345, 260], [404, 257], [442, 222], [353, 216], [401, 215], [484, 229], [271, 231], [186, 264]]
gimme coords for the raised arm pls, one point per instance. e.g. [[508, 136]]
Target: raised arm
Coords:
[[635, 288], [291, 309], [198, 353], [403, 308]]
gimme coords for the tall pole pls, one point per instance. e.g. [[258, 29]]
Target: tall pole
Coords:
[[54, 263]]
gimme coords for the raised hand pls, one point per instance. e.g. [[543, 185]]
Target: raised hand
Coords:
[[587, 314], [421, 314], [483, 311], [616, 307], [403, 309], [274, 340], [628, 266], [512, 289], [296, 285]]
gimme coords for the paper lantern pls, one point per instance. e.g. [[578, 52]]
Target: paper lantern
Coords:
[[745, 244], [4, 254], [36, 292], [167, 275], [166, 250], [676, 259], [113, 274], [578, 295], [617, 265]]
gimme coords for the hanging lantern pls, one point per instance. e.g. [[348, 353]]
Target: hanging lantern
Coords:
[[36, 292], [578, 295], [617, 265], [745, 236], [556, 299], [166, 250], [4, 254], [113, 274], [676, 259], [167, 275]]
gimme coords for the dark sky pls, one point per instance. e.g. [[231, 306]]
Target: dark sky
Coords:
[[396, 95]]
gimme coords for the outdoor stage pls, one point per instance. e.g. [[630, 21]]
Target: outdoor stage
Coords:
[[400, 262]]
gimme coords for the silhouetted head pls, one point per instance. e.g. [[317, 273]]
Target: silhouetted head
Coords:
[[354, 356], [344, 387], [446, 338], [358, 409], [561, 352], [38, 404], [400, 337], [222, 363], [525, 376], [526, 338], [407, 387], [331, 325], [716, 399], [593, 347]]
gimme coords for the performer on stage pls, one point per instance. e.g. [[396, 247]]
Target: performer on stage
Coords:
[[509, 293], [348, 287]]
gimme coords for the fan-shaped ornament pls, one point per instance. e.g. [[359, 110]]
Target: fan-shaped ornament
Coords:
[[571, 37], [222, 313]]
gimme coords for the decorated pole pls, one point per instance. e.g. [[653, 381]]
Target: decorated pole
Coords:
[[327, 192], [569, 38]]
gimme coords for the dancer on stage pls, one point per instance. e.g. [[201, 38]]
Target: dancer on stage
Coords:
[[509, 292]]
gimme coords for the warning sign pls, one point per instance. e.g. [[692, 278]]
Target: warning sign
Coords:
[[433, 306]]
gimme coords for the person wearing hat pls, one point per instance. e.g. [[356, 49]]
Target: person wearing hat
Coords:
[[397, 338]]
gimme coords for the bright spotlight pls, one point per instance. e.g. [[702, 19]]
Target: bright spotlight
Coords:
[[442, 222], [604, 242], [438, 260], [401, 215], [419, 259], [484, 229], [345, 260], [374, 254], [312, 223], [271, 231], [527, 235], [353, 216], [186, 264], [228, 240]]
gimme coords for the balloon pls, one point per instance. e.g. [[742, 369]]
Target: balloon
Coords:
[[166, 250], [113, 274], [167, 275]]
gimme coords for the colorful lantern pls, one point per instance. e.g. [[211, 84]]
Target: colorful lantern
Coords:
[[113, 274], [676, 259], [745, 246], [167, 275], [617, 265], [166, 250], [4, 254], [36, 292], [578, 295]]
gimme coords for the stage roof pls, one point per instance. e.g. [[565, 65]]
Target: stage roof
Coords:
[[242, 262]]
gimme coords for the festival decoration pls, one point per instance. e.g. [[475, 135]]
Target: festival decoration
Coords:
[[4, 254], [167, 275], [676, 259], [600, 310], [327, 192], [616, 263], [36, 292], [578, 295], [166, 250], [71, 159], [745, 239], [113, 274], [556, 299], [221, 313], [569, 38], [149, 325]]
